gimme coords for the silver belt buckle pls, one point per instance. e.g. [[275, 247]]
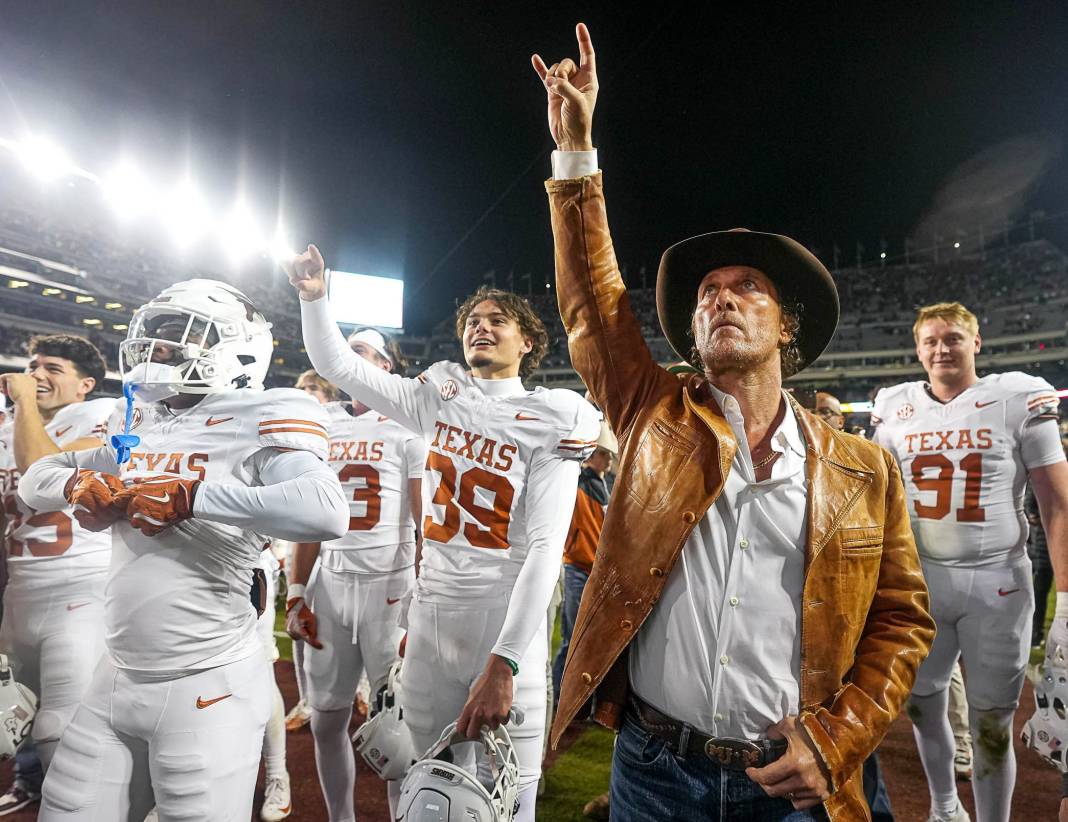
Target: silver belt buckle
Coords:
[[729, 752]]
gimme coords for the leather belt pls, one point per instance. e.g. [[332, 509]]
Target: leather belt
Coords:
[[687, 742]]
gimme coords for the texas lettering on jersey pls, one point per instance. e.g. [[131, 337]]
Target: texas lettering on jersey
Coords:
[[463, 443], [964, 463]]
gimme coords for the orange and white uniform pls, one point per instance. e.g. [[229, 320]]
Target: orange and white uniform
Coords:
[[53, 628], [362, 578], [964, 464], [498, 494], [177, 708]]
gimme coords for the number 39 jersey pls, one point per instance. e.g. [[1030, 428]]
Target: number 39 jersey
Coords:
[[374, 458], [56, 537], [483, 450], [964, 463]]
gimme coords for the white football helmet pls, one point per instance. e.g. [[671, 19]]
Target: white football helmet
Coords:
[[384, 741], [197, 337], [435, 790], [18, 706], [1046, 732]]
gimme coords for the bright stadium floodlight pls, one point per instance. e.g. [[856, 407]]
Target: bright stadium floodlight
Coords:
[[185, 214], [126, 190], [280, 248], [43, 158], [240, 235]]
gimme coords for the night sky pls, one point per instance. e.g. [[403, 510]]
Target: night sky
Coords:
[[385, 132]]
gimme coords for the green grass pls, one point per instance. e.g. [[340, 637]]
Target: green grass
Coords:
[[577, 777]]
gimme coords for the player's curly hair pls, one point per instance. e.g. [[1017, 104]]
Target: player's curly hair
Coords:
[[518, 309], [85, 356]]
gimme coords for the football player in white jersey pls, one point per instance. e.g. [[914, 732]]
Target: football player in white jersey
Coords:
[[349, 615], [277, 798], [499, 490], [54, 630], [176, 710], [966, 447]]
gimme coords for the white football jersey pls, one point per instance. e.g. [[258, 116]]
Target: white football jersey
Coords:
[[179, 602], [374, 458], [56, 537], [482, 450], [964, 463]]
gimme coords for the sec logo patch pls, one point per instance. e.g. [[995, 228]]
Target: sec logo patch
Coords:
[[449, 389], [906, 411]]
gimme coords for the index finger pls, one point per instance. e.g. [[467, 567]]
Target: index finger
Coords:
[[773, 773], [585, 44]]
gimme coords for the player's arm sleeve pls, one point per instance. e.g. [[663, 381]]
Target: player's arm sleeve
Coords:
[[552, 484], [300, 499], [603, 335], [42, 487], [415, 454], [1040, 439], [896, 638], [394, 396]]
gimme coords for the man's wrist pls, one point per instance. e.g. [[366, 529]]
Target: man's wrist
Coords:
[[502, 665]]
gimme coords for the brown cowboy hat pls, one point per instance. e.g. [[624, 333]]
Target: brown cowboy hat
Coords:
[[797, 274]]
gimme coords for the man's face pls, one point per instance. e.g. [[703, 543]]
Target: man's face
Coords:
[[600, 460], [492, 338], [58, 381], [738, 320], [309, 386], [172, 330], [828, 409], [947, 350], [372, 356]]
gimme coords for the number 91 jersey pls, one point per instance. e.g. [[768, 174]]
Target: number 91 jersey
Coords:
[[964, 463], [477, 501]]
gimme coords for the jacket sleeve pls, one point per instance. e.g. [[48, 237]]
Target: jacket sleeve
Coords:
[[896, 639], [604, 338]]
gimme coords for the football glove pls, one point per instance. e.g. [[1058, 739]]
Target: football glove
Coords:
[[93, 497], [157, 503], [301, 623]]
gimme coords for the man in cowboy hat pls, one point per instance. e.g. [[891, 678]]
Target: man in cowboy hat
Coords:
[[756, 614]]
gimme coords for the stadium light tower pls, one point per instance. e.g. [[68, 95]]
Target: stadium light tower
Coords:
[[43, 158]]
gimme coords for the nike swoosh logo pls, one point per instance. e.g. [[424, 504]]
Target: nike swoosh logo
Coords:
[[61, 431], [164, 499], [392, 601], [1004, 593], [204, 703], [76, 607], [984, 404], [524, 418], [213, 421]]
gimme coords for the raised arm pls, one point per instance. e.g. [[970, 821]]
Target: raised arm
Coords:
[[31, 440], [330, 355], [605, 339]]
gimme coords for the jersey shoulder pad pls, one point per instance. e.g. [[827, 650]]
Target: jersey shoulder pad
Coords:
[[441, 372], [336, 414], [1033, 397], [573, 424], [888, 400], [289, 418]]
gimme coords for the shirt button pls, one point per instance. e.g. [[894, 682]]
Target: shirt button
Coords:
[[743, 543], [656, 572], [626, 624], [723, 660], [587, 678], [689, 517], [719, 717], [733, 601]]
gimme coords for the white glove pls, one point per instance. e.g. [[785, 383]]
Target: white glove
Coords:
[[1057, 639]]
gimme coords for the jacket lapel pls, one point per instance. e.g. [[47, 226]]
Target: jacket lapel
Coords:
[[835, 481]]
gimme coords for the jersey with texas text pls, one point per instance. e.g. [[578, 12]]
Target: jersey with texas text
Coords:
[[179, 601], [374, 458], [55, 537], [483, 450], [964, 463]]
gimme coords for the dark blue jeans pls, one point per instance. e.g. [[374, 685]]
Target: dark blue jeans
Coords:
[[28, 768], [649, 782], [574, 583]]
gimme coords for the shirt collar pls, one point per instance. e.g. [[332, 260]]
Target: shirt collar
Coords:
[[511, 387], [787, 435]]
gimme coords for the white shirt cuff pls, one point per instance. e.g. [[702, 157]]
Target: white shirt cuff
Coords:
[[570, 165]]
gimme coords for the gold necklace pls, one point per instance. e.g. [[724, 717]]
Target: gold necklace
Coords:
[[766, 461]]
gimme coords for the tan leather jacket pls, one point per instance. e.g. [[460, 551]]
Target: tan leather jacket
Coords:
[[865, 625]]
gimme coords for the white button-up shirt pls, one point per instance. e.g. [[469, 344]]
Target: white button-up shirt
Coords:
[[721, 649]]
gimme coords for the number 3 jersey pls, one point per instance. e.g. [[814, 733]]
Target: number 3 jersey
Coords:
[[964, 463], [38, 541], [374, 457]]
